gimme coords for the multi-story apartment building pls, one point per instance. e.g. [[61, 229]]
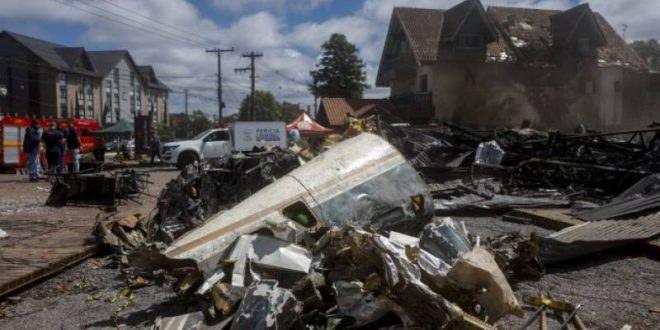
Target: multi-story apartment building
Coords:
[[122, 85], [46, 79], [156, 94]]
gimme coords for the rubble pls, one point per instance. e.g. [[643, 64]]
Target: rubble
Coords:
[[202, 191], [378, 188], [97, 189], [591, 237], [311, 250], [348, 241]]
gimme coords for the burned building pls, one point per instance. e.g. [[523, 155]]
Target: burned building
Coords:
[[500, 66]]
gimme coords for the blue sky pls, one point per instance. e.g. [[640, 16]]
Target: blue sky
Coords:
[[172, 35]]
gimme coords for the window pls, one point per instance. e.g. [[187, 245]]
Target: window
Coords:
[[90, 111], [64, 113], [394, 46], [424, 83], [470, 42], [218, 136], [62, 77], [617, 86], [301, 214]]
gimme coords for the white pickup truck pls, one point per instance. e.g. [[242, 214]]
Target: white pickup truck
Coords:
[[221, 142]]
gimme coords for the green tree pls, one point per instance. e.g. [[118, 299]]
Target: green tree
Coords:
[[265, 105], [186, 127], [199, 122], [340, 73], [649, 51]]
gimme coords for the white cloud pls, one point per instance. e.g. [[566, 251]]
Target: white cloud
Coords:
[[642, 17], [280, 6]]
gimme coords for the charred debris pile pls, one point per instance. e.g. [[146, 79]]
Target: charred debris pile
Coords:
[[361, 236]]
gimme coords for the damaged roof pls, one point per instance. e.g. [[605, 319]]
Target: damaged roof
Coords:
[[523, 34]]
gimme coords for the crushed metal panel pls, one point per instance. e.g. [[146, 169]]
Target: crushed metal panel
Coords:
[[262, 251], [590, 237], [361, 177], [267, 306]]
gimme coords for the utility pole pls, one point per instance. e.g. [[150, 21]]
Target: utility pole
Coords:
[[185, 92], [219, 52], [187, 121], [252, 56]]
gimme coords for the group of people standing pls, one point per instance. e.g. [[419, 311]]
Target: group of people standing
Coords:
[[57, 142]]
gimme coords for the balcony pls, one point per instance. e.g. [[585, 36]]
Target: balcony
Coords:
[[415, 108]]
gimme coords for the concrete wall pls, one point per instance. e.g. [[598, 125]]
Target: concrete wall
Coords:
[[484, 95]]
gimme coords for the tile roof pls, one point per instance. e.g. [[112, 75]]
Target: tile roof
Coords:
[[531, 33], [528, 30], [525, 34], [337, 108], [422, 28], [618, 51]]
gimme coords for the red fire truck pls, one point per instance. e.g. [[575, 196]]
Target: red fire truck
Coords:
[[12, 132]]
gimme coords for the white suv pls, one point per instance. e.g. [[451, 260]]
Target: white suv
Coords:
[[210, 144]]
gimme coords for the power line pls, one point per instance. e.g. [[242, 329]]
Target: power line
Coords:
[[136, 13], [130, 25]]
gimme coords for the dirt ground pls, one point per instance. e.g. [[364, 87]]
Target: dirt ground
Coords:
[[80, 297], [614, 288]]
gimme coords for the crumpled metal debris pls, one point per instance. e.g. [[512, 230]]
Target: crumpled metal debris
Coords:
[[489, 153], [258, 257], [329, 245], [378, 188], [591, 237], [267, 306], [200, 192], [445, 240], [643, 196]]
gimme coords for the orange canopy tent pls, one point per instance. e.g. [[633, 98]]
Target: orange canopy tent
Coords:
[[307, 126]]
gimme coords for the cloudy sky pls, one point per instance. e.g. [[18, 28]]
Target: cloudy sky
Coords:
[[171, 35]]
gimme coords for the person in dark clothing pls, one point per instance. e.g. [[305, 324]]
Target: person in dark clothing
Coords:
[[73, 147], [54, 141], [32, 147], [63, 149], [156, 149]]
